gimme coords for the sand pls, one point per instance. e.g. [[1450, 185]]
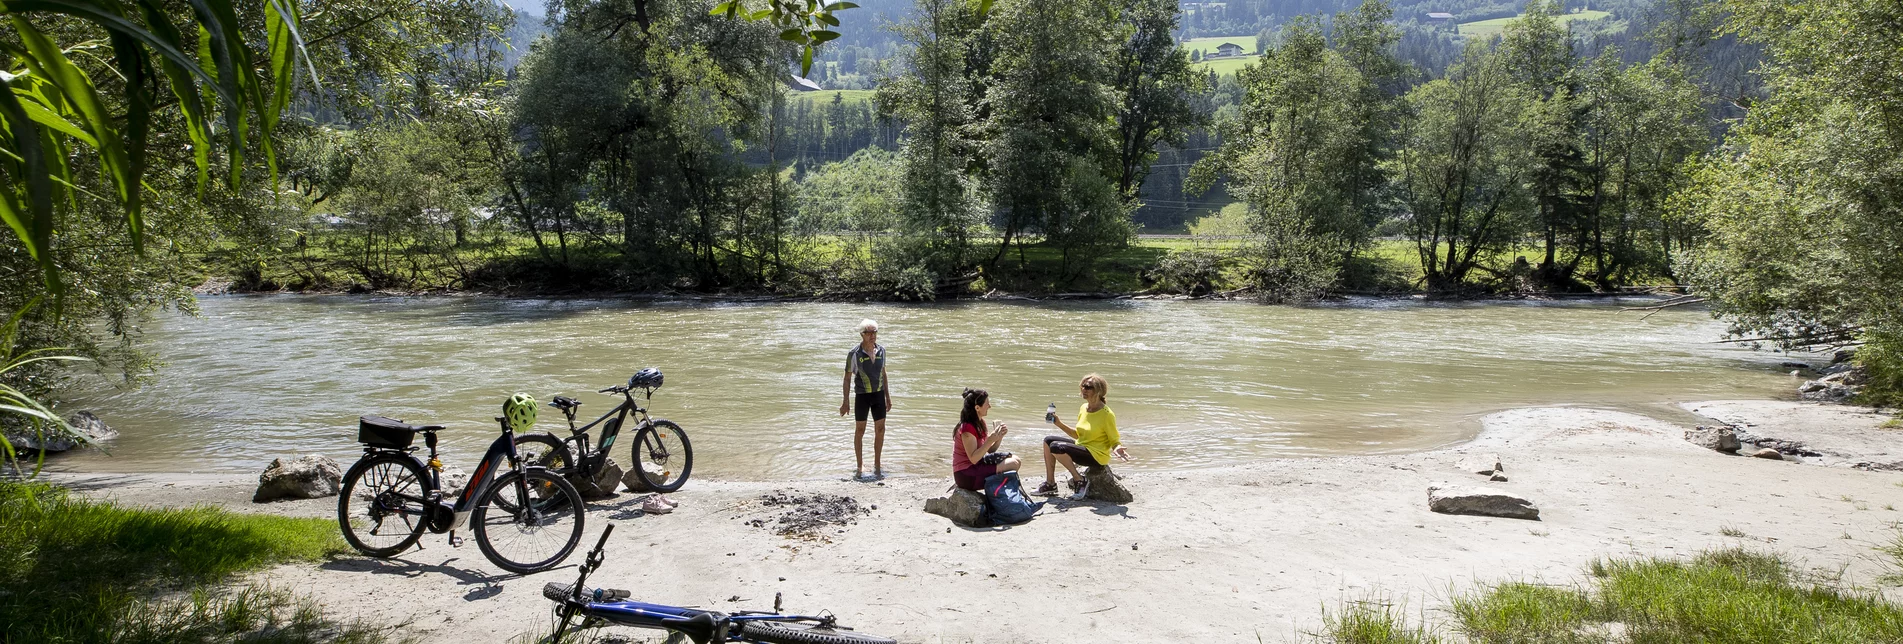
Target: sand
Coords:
[[1232, 554]]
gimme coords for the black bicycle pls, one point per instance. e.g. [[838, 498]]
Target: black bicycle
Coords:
[[608, 605], [526, 519], [663, 458]]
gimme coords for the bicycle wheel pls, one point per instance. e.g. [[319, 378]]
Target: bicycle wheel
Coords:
[[381, 508], [663, 456], [804, 633], [542, 449], [533, 534]]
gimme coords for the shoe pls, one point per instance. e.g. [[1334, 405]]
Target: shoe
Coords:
[[671, 503], [1047, 489], [654, 506], [878, 475], [1079, 487]]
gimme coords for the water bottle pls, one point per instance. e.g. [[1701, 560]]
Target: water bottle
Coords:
[[1050, 414]]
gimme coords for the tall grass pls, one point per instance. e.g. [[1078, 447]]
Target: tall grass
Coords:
[[1373, 621], [73, 570]]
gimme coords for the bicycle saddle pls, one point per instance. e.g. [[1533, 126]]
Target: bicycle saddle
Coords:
[[701, 628], [564, 402]]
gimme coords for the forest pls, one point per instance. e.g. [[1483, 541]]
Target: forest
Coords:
[[1744, 149]]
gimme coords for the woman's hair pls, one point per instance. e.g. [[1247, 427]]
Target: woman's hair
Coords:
[[868, 325], [1096, 383], [973, 399]]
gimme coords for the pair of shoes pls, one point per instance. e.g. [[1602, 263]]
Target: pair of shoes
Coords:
[[878, 475], [1079, 488], [1047, 489], [654, 505], [670, 503]]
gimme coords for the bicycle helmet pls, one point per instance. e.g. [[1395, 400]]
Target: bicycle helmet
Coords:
[[520, 410], [649, 378]]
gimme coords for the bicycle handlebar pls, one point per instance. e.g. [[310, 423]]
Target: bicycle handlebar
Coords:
[[617, 389], [604, 537]]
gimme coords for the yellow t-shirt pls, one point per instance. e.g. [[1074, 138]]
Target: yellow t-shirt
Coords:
[[1097, 431]]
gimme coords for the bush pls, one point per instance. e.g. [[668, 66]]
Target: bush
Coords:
[[1190, 271]]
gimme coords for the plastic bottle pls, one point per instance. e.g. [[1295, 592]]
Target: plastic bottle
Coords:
[[1050, 413]]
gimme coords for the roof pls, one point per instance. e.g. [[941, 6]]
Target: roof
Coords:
[[802, 84], [1441, 16]]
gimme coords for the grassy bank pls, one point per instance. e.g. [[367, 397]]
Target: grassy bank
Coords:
[[73, 570], [1721, 596]]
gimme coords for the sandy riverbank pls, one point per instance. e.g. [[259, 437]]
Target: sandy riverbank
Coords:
[[1224, 555]]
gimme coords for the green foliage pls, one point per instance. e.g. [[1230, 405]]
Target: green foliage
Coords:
[[1523, 612], [1801, 206], [78, 571], [1372, 622], [1188, 271]]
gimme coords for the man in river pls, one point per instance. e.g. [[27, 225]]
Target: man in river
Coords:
[[865, 393]]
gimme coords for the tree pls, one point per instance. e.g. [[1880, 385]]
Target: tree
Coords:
[[1801, 204], [1154, 83], [937, 98]]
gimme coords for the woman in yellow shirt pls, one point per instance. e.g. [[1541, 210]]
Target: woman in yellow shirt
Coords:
[[1090, 443]]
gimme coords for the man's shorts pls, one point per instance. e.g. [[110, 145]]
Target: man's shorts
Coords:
[[870, 402]]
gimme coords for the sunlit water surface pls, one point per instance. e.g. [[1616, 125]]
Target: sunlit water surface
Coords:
[[757, 386]]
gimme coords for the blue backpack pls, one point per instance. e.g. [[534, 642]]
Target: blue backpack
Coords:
[[1005, 502]]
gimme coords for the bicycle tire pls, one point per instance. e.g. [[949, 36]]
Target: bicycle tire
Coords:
[[651, 446], [544, 450], [564, 502], [417, 481], [804, 633]]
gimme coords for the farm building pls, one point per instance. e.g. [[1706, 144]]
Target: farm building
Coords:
[[1227, 49]]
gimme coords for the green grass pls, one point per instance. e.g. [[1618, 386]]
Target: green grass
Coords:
[[1372, 621], [1728, 595], [1227, 66], [826, 96], [1223, 66], [1491, 28], [73, 570]]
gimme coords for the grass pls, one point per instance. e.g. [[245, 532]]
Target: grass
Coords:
[[1373, 622], [1223, 66], [1227, 66], [1728, 595], [73, 570], [826, 96], [1491, 28]]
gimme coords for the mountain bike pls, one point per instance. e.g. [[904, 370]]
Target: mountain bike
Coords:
[[608, 605], [663, 458], [525, 518]]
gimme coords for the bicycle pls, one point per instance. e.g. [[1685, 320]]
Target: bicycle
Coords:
[[608, 605], [663, 443], [515, 515]]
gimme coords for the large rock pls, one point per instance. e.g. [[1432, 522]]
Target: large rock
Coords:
[[85, 425], [964, 507], [1768, 453], [1482, 501], [1721, 438], [305, 477], [634, 481], [606, 480], [1105, 485]]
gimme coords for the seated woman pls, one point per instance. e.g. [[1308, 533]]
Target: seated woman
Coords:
[[972, 458], [1090, 444]]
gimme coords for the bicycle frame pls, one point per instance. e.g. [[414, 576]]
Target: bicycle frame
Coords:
[[611, 424], [501, 451]]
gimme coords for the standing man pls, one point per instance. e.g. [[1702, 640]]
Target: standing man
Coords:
[[865, 392]]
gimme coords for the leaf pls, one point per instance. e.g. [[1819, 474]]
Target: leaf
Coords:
[[841, 6], [185, 88], [171, 48], [134, 65], [794, 35], [38, 112], [759, 14], [724, 7], [828, 19], [984, 8], [52, 65], [806, 62], [32, 223], [823, 35]]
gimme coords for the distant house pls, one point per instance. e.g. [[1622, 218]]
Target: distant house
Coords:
[[1439, 17], [1228, 49], [801, 85]]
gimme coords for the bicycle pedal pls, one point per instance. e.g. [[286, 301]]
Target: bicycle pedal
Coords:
[[455, 541]]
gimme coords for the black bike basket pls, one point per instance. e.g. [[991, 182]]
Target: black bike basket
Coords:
[[377, 431]]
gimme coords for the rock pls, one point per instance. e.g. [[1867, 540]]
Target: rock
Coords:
[[1105, 485], [1768, 453], [964, 507], [606, 480], [1850, 377], [305, 477], [1482, 501], [1497, 477], [1721, 438], [1811, 386], [452, 479], [85, 426], [1796, 365], [1482, 463], [634, 482]]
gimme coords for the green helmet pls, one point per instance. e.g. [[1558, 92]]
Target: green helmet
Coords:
[[520, 410]]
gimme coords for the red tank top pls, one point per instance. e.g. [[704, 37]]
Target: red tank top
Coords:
[[959, 462]]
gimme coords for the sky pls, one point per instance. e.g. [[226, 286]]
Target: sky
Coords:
[[531, 6]]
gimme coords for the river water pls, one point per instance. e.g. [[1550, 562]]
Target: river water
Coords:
[[757, 385]]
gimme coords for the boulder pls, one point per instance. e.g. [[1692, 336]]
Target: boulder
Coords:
[[1720, 438], [964, 507], [85, 425], [603, 485], [305, 477], [1105, 485], [1497, 476], [1485, 464], [634, 481], [452, 479], [1482, 501], [1768, 453]]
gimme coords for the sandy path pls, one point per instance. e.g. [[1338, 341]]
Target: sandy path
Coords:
[[1232, 554]]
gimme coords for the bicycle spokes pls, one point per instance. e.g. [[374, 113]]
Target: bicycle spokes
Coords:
[[387, 502]]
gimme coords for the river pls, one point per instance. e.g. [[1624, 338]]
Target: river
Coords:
[[757, 385]]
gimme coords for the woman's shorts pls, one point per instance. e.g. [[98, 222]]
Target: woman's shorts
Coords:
[[1068, 446], [973, 478], [870, 402]]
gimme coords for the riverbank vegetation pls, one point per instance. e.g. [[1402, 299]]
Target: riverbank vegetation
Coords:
[[653, 146], [73, 570], [1730, 595]]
